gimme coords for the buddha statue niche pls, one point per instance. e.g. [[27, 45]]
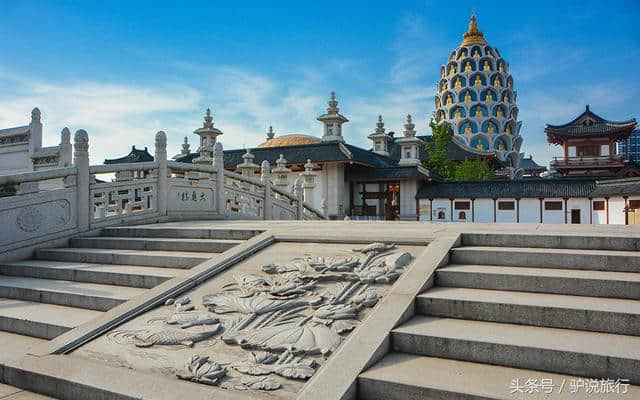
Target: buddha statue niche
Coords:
[[508, 129], [489, 95], [500, 146], [442, 74], [485, 66], [490, 128], [452, 70], [479, 146], [458, 83], [437, 102], [449, 100], [458, 115], [467, 129], [441, 117], [499, 113], [478, 81], [496, 82], [505, 98], [467, 67], [467, 97], [501, 67], [476, 53]]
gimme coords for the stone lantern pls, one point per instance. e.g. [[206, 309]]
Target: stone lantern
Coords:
[[409, 145], [281, 173], [308, 180], [248, 167], [208, 135]]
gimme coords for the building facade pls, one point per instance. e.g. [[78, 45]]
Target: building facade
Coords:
[[630, 147]]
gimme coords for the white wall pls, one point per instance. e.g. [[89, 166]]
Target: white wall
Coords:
[[408, 190], [530, 211]]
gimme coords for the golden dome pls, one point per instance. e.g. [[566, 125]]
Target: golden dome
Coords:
[[473, 35], [290, 140]]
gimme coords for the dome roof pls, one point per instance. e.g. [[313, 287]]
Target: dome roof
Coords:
[[475, 96], [290, 140]]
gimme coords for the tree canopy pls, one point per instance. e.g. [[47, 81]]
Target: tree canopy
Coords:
[[439, 162]]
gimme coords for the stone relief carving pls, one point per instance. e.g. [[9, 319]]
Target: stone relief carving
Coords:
[[287, 320], [30, 219]]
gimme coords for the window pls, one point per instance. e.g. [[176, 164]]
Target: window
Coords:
[[634, 204], [462, 215], [598, 205], [553, 205], [462, 205], [588, 151], [506, 205]]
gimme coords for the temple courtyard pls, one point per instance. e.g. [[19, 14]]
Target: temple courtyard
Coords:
[[324, 310]]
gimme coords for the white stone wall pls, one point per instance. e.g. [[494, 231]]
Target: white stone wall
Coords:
[[529, 211]]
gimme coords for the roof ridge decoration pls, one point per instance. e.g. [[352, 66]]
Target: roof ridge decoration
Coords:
[[473, 35], [588, 114]]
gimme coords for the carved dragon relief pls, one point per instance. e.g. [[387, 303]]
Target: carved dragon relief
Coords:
[[280, 319]]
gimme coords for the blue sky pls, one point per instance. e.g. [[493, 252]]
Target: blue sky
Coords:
[[123, 72]]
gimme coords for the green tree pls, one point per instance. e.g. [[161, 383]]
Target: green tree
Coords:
[[439, 162], [473, 170], [438, 150]]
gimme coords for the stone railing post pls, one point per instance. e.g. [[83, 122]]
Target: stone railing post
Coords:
[[81, 162], [265, 177], [324, 209], [161, 159], [66, 150], [298, 193], [218, 161]]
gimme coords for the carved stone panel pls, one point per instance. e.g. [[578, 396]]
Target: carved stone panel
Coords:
[[187, 198], [266, 325]]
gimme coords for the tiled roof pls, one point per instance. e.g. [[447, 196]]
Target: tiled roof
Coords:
[[136, 155], [617, 187], [528, 164], [588, 123], [14, 131], [510, 189], [320, 152], [358, 173]]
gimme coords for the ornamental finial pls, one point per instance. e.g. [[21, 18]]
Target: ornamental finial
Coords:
[[473, 35], [208, 119], [333, 104], [380, 125], [270, 133]]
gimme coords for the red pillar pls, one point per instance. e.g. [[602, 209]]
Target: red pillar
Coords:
[[626, 210], [451, 200], [431, 207], [541, 199], [473, 210], [565, 210], [606, 199], [494, 211]]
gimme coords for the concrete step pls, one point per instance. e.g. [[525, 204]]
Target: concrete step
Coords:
[[598, 260], [13, 393], [400, 376], [15, 346], [108, 274], [551, 310], [165, 244], [184, 260], [190, 233], [624, 285], [556, 241], [565, 351], [45, 321], [73, 294]]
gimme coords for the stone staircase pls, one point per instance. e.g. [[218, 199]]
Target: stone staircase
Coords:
[[63, 288], [509, 308]]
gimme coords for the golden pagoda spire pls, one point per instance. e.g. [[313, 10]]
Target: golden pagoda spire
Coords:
[[473, 35]]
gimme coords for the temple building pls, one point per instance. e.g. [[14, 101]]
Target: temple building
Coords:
[[630, 147], [476, 97], [589, 146]]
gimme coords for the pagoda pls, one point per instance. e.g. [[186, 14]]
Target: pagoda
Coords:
[[589, 146]]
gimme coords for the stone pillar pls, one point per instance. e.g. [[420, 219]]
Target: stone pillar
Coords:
[[66, 150], [81, 162], [219, 165], [35, 132], [325, 209], [265, 177], [299, 203], [163, 182]]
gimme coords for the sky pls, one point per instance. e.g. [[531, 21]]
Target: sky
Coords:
[[124, 70]]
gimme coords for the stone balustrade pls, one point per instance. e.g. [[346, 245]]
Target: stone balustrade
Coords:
[[137, 192]]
